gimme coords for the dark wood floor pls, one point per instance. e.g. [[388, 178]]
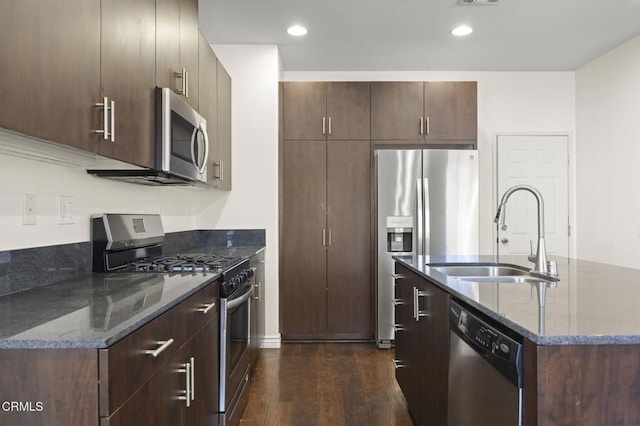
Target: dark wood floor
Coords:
[[325, 384]]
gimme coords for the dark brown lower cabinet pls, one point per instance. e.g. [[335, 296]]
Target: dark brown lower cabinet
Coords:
[[257, 306], [422, 346], [53, 387], [124, 384], [325, 289]]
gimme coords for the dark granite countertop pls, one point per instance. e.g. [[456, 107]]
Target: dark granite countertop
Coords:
[[95, 310], [593, 303], [92, 311]]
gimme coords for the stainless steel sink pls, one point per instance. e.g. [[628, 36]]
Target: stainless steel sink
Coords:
[[494, 272]]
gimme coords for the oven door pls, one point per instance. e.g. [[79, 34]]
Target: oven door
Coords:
[[235, 332], [183, 142]]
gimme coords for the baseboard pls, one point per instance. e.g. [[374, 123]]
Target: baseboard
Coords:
[[271, 342]]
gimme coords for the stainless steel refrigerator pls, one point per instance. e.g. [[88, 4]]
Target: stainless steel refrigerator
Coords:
[[427, 204]]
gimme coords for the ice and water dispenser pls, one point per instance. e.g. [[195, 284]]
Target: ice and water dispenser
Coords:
[[399, 234]]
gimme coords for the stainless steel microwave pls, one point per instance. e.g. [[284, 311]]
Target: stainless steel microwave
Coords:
[[182, 146], [182, 141]]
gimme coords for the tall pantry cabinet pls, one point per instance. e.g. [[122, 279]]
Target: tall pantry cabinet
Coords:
[[325, 290]]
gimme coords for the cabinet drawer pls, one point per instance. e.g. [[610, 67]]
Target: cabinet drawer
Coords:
[[199, 308], [129, 363]]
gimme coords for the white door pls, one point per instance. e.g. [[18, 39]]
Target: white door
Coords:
[[541, 161]]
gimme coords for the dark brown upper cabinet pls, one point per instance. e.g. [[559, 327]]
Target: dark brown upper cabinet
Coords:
[[435, 112], [208, 100], [81, 73], [127, 82], [326, 110], [222, 156], [177, 50], [50, 68]]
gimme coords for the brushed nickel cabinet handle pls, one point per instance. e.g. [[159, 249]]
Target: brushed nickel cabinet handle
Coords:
[[105, 118], [417, 294], [324, 237], [398, 327], [257, 292], [329, 126], [397, 363], [324, 126], [421, 125], [397, 302], [164, 344], [205, 310], [398, 276], [428, 125], [220, 167], [186, 84], [329, 237], [113, 121], [185, 395], [183, 76], [193, 378]]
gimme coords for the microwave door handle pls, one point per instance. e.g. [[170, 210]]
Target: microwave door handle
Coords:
[[203, 129], [194, 136]]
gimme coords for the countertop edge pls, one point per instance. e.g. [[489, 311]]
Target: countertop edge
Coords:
[[535, 338]]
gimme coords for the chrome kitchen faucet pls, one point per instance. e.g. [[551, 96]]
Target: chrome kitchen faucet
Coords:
[[541, 265]]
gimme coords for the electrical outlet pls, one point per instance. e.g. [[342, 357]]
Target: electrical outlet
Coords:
[[29, 209], [65, 210]]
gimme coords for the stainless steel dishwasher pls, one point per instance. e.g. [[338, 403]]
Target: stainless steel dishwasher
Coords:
[[485, 373]]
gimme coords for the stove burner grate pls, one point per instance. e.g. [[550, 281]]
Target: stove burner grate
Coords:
[[188, 263]]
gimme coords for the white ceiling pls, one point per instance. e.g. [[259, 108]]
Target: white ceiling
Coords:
[[396, 35]]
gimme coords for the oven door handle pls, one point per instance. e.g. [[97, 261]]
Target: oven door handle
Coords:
[[232, 304]]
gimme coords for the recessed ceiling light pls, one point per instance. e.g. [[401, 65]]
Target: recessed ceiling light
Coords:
[[297, 30], [462, 30]]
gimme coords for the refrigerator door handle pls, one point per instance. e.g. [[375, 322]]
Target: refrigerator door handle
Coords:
[[426, 217], [420, 217]]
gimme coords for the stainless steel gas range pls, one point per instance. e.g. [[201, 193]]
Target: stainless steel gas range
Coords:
[[134, 243]]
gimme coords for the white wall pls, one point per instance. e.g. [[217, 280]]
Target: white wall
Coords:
[[608, 134], [253, 201], [91, 195], [508, 102]]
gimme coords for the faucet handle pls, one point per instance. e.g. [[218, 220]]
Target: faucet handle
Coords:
[[552, 267], [531, 247]]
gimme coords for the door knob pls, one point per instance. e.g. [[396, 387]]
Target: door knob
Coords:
[[504, 240]]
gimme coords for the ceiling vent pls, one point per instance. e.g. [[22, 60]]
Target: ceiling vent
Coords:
[[477, 2]]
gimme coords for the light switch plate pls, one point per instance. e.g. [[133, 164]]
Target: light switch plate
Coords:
[[65, 210], [29, 209]]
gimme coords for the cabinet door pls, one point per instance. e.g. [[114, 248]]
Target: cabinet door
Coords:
[[189, 35], [397, 110], [451, 109], [348, 111], [208, 101], [168, 44], [305, 111], [434, 352], [223, 156], [348, 239], [303, 279], [50, 67], [202, 352], [156, 402], [128, 78]]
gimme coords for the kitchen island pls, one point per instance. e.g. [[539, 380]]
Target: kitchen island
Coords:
[[581, 335]]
